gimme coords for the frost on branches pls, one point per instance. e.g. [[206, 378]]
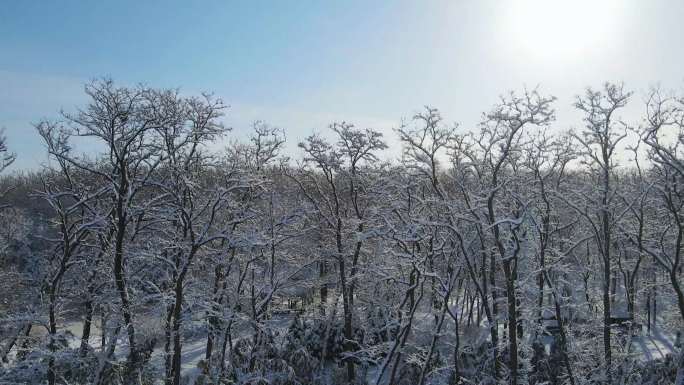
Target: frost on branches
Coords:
[[511, 252]]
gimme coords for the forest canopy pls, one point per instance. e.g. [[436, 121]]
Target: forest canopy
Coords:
[[515, 252]]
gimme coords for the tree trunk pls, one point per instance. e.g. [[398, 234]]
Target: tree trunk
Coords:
[[512, 322], [13, 341], [85, 336], [561, 327], [606, 319], [212, 317], [21, 353], [168, 340], [678, 290], [177, 323], [51, 345], [120, 215], [348, 331]]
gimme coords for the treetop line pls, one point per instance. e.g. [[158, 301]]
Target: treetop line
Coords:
[[511, 254]]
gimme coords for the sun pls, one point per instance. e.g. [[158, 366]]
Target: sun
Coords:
[[560, 29]]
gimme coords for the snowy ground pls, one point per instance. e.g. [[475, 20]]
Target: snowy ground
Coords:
[[655, 345], [193, 349]]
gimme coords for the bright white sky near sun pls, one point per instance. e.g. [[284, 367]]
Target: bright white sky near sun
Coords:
[[302, 64]]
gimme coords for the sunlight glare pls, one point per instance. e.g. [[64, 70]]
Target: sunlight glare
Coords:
[[560, 29]]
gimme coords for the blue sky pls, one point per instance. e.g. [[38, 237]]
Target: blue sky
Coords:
[[302, 64]]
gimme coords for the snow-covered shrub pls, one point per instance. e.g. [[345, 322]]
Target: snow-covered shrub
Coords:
[[547, 368], [381, 326], [409, 373], [31, 370], [476, 363], [67, 363], [656, 372], [303, 364], [320, 339]]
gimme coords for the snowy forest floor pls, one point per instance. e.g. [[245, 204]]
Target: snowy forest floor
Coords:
[[644, 346]]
